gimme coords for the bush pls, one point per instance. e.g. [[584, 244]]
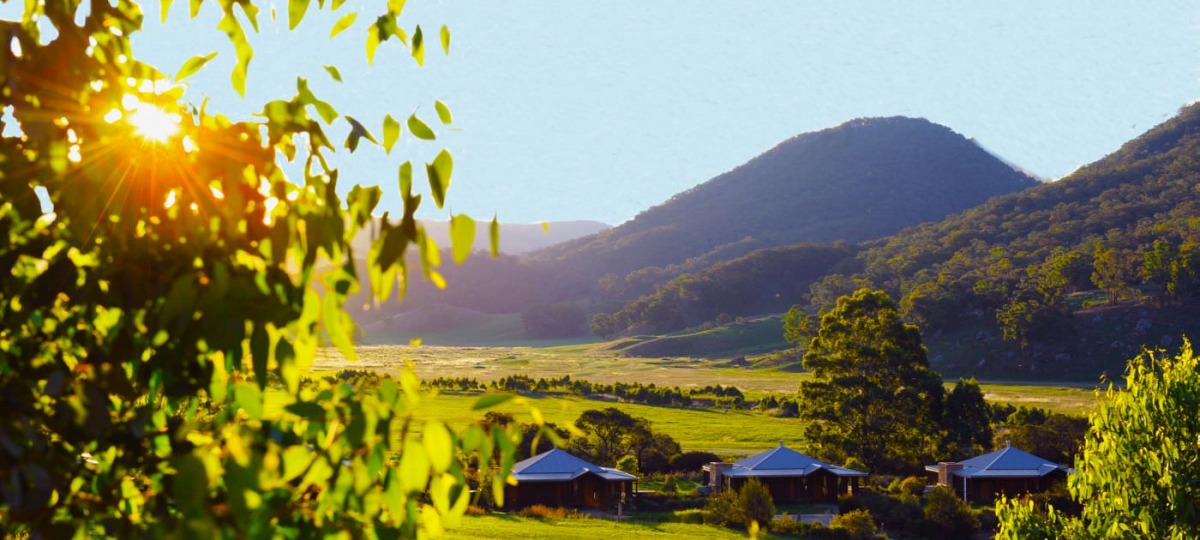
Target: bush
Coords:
[[912, 486], [722, 509], [694, 516], [949, 514], [669, 486], [755, 503], [692, 461], [858, 524], [545, 512]]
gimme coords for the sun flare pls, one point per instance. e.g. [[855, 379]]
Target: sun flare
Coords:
[[153, 124]]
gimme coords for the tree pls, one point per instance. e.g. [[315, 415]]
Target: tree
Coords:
[[611, 432], [177, 278], [797, 326], [755, 503], [872, 395], [967, 421], [1139, 473], [1116, 272]]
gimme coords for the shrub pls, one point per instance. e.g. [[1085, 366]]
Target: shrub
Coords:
[[692, 461], [694, 516], [949, 514], [669, 486], [543, 512], [722, 509], [858, 524], [755, 503], [912, 486]]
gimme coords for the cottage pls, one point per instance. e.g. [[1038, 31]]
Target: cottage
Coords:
[[787, 474], [1008, 471], [558, 479]]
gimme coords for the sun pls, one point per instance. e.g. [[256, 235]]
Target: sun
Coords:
[[152, 123]]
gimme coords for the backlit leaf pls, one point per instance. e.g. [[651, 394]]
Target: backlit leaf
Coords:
[[438, 446], [296, 9], [443, 112], [357, 132], [420, 128], [462, 236], [334, 72], [494, 232], [165, 6], [192, 65], [488, 401], [446, 39], [342, 24], [418, 46], [439, 176], [391, 133]]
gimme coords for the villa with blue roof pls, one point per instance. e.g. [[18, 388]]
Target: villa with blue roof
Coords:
[[556, 478], [789, 475], [1008, 471]]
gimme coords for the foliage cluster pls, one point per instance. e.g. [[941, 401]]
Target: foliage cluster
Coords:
[[749, 506], [1139, 471], [175, 274]]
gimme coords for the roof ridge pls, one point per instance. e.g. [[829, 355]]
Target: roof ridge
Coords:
[[999, 454]]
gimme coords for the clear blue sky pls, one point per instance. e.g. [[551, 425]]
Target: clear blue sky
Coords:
[[598, 110]]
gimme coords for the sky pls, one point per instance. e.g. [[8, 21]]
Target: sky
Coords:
[[599, 110]]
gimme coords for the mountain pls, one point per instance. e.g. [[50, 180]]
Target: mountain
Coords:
[[864, 179], [861, 180]]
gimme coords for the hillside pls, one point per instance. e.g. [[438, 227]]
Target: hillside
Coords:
[[861, 180], [1066, 278]]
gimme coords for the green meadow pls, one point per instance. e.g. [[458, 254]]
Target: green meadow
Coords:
[[500, 526]]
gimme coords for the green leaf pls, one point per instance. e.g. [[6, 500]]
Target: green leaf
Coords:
[[439, 176], [490, 400], [391, 133], [443, 112], [494, 231], [357, 132], [334, 72], [343, 23], [295, 460], [446, 39], [420, 129], [438, 446], [191, 486], [418, 46], [192, 65], [248, 398], [296, 9], [462, 236], [406, 179]]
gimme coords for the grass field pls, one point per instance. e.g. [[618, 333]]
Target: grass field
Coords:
[[597, 363], [507, 527]]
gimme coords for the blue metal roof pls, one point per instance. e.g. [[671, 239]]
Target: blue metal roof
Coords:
[[783, 461], [1007, 462], [555, 465]]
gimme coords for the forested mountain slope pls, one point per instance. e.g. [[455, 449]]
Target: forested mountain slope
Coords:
[[1018, 267]]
